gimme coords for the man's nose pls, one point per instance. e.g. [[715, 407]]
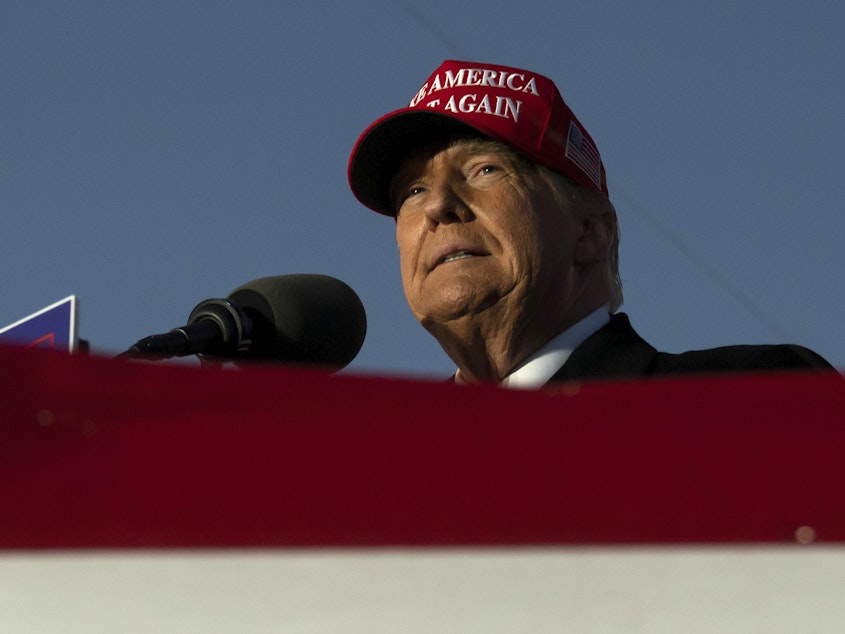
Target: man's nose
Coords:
[[445, 205]]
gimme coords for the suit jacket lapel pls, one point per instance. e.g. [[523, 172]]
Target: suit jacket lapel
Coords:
[[614, 351]]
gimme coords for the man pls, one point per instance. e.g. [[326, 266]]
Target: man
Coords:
[[508, 241]]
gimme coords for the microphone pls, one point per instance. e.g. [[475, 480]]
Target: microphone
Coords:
[[302, 318]]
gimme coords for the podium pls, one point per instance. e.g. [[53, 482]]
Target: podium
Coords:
[[290, 499]]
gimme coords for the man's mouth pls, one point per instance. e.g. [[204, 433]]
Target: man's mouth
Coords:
[[455, 252], [458, 255]]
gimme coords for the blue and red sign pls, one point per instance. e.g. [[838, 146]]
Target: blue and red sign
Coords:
[[51, 328]]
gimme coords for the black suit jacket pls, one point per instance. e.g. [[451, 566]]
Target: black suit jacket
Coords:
[[617, 351]]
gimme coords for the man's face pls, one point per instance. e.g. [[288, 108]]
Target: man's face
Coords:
[[480, 233]]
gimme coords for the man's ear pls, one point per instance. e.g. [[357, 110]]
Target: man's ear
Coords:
[[597, 233]]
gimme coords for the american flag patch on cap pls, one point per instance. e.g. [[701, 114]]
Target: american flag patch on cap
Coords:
[[581, 151]]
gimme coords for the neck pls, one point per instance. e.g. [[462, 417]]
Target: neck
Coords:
[[480, 355], [486, 350]]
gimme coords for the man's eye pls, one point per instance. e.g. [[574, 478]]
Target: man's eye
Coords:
[[409, 193], [486, 169], [485, 174]]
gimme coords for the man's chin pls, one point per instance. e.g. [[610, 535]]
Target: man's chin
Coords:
[[454, 309]]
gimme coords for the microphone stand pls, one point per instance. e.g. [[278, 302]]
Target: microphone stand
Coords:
[[216, 327]]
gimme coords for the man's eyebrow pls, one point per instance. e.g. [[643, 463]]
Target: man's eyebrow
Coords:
[[482, 146], [403, 175], [491, 147]]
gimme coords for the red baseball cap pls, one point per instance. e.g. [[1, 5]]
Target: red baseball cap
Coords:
[[517, 107]]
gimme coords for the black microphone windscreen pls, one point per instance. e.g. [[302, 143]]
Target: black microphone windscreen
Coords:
[[303, 318]]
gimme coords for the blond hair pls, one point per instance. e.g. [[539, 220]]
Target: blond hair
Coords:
[[590, 204]]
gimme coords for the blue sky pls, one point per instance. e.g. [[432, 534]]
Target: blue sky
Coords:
[[154, 154]]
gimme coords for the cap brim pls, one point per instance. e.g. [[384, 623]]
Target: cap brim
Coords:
[[380, 149]]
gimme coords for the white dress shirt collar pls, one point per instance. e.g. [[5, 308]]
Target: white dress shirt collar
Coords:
[[536, 370]]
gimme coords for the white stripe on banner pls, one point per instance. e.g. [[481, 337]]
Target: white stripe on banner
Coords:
[[751, 589]]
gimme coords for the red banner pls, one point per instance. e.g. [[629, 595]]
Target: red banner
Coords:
[[100, 453]]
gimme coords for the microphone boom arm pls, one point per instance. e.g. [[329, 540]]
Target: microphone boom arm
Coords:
[[214, 324]]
